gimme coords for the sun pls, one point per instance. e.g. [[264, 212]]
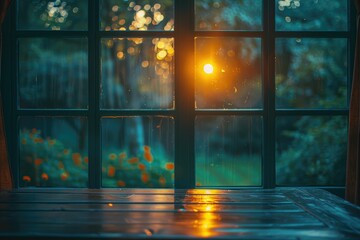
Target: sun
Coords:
[[208, 68]]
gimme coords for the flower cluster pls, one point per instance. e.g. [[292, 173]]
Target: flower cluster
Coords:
[[144, 170], [48, 163]]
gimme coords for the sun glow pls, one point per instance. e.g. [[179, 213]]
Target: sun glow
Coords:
[[208, 68]]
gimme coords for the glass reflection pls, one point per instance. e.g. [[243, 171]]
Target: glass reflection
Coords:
[[52, 15], [228, 15], [311, 15], [53, 152], [311, 150], [140, 15], [311, 73], [228, 73], [228, 150], [138, 152], [53, 73], [137, 73]]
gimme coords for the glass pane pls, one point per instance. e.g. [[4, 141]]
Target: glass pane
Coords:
[[53, 73], [228, 15], [52, 15], [311, 150], [140, 15], [309, 15], [311, 73], [228, 151], [228, 73], [138, 152], [137, 73], [53, 152]]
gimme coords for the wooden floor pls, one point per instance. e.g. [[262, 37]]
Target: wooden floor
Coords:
[[168, 214]]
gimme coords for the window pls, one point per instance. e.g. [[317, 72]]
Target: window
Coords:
[[170, 93]]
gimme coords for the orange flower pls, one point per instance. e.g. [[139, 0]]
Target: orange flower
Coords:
[[44, 176], [38, 161], [66, 151], [60, 165], [51, 142], [121, 183], [133, 160], [111, 171], [38, 140], [76, 157], [122, 155], [169, 166], [148, 157], [162, 181], [64, 176], [26, 178], [112, 156], [23, 141], [146, 148], [86, 160], [141, 166], [144, 177]]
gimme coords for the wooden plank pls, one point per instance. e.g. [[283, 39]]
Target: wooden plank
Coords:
[[220, 207], [61, 217], [332, 210], [199, 231], [142, 198]]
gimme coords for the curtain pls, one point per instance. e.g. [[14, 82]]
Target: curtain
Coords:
[[5, 174], [353, 159]]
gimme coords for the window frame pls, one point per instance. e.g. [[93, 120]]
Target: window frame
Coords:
[[184, 112]]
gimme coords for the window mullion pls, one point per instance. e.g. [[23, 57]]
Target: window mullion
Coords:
[[184, 94], [9, 98], [269, 94], [93, 113]]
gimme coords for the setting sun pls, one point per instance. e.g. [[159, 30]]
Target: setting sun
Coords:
[[208, 68]]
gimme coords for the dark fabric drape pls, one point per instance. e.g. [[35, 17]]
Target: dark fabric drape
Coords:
[[5, 174], [353, 159]]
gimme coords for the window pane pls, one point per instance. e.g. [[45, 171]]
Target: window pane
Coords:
[[137, 73], [53, 73], [228, 15], [308, 15], [228, 150], [138, 152], [52, 15], [140, 15], [228, 73], [53, 152], [311, 150], [311, 73]]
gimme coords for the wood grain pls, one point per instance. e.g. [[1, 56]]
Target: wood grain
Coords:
[[177, 214]]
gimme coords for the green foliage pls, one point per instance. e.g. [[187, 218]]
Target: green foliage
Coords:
[[53, 14], [313, 152], [142, 171], [48, 163], [228, 14], [229, 170]]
